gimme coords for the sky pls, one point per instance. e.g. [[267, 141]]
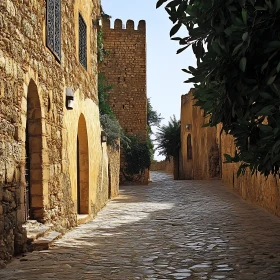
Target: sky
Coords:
[[165, 79]]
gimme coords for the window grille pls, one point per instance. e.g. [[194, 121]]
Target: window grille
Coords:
[[82, 42], [54, 27]]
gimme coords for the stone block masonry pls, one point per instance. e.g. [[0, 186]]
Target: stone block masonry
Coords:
[[203, 158], [125, 69], [200, 157], [255, 188], [46, 149]]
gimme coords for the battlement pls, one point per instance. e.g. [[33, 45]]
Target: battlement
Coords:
[[119, 25], [188, 96]]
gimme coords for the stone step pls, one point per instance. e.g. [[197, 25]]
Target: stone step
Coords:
[[35, 230], [44, 242], [83, 218]]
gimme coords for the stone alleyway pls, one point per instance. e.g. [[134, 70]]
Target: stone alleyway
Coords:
[[167, 230]]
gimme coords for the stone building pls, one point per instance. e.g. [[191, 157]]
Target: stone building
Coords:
[[203, 149], [125, 69], [53, 165], [254, 188], [199, 150]]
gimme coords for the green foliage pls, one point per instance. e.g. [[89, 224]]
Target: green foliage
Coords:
[[103, 92], [137, 159], [153, 118], [151, 146], [114, 131], [237, 81], [108, 119], [169, 139], [101, 51]]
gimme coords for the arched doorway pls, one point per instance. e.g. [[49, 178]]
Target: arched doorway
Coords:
[[82, 168], [33, 148]]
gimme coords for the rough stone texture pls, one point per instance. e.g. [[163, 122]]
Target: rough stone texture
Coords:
[[256, 189], [125, 69], [209, 146], [204, 162], [108, 178], [195, 230], [32, 88], [113, 171], [102, 192]]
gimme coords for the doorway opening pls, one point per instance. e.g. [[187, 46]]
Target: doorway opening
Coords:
[[34, 208], [82, 168]]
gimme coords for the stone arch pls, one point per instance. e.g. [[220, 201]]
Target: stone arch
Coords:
[[82, 168], [34, 196], [189, 147]]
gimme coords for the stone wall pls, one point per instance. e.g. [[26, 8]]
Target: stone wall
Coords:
[[199, 150], [163, 165], [208, 147], [113, 171], [42, 143], [125, 69], [256, 189]]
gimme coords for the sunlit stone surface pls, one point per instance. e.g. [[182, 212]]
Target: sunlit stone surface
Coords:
[[167, 230]]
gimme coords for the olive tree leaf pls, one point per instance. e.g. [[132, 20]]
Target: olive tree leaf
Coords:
[[176, 38], [278, 65], [237, 48], [245, 36], [269, 4], [186, 71], [182, 49], [175, 29], [228, 158], [271, 80], [264, 66], [242, 63], [244, 16], [160, 2]]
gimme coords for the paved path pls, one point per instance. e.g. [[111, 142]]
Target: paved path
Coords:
[[167, 230]]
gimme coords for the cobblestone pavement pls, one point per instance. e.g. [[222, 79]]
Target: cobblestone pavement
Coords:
[[167, 230]]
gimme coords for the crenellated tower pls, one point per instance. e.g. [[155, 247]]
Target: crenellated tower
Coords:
[[125, 69]]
